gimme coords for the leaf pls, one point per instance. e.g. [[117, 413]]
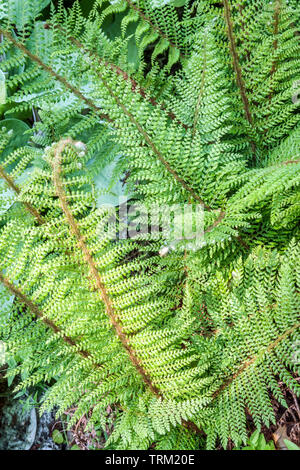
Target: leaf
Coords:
[[160, 47], [161, 3], [2, 88], [6, 301], [7, 198], [179, 3], [20, 12], [291, 445], [254, 438], [40, 40], [110, 191], [19, 137], [57, 437], [174, 55], [10, 380], [133, 56], [261, 444]]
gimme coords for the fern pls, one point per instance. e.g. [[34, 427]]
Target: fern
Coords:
[[184, 340]]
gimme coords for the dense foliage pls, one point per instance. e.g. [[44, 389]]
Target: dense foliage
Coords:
[[188, 103]]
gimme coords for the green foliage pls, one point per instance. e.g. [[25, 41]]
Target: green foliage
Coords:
[[182, 344], [20, 12], [290, 445], [57, 437], [257, 441]]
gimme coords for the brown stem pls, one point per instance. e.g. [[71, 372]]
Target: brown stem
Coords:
[[154, 148], [193, 427], [216, 222], [17, 190], [237, 67], [153, 26], [134, 85], [275, 43], [288, 162], [276, 29], [38, 313], [99, 283], [131, 117], [70, 341], [92, 266], [57, 76], [276, 26], [96, 109], [253, 359]]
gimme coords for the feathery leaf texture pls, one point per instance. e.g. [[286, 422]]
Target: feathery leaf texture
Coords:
[[187, 344]]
